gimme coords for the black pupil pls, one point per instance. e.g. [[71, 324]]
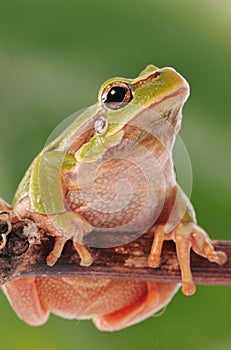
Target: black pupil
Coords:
[[116, 94]]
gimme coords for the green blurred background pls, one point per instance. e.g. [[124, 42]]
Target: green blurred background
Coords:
[[53, 57]]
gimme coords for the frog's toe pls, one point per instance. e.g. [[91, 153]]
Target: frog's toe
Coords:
[[221, 257], [156, 249], [202, 245], [86, 258], [56, 251], [188, 288]]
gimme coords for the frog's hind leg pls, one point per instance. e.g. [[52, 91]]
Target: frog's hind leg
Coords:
[[24, 298], [156, 297]]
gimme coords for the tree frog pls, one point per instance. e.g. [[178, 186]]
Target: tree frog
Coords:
[[111, 170]]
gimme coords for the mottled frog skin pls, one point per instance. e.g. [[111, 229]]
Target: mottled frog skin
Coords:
[[111, 170]]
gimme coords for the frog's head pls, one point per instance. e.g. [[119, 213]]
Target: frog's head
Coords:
[[124, 98], [155, 95]]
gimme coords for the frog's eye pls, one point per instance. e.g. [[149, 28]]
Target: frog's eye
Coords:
[[116, 95]]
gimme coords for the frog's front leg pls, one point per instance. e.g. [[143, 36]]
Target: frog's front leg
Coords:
[[186, 234], [48, 205]]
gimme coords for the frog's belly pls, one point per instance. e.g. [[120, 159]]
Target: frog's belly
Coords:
[[123, 214], [121, 197], [124, 195]]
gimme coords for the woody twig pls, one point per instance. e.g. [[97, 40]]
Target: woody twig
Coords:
[[24, 247]]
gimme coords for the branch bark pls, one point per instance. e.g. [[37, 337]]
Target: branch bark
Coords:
[[25, 247]]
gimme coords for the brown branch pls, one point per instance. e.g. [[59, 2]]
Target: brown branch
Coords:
[[26, 246]]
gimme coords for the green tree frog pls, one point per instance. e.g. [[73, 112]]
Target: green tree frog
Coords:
[[111, 170]]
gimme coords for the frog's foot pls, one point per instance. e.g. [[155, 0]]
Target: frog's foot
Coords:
[[63, 227], [86, 258], [185, 236]]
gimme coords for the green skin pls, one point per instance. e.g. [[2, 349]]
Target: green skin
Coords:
[[43, 193], [43, 181]]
